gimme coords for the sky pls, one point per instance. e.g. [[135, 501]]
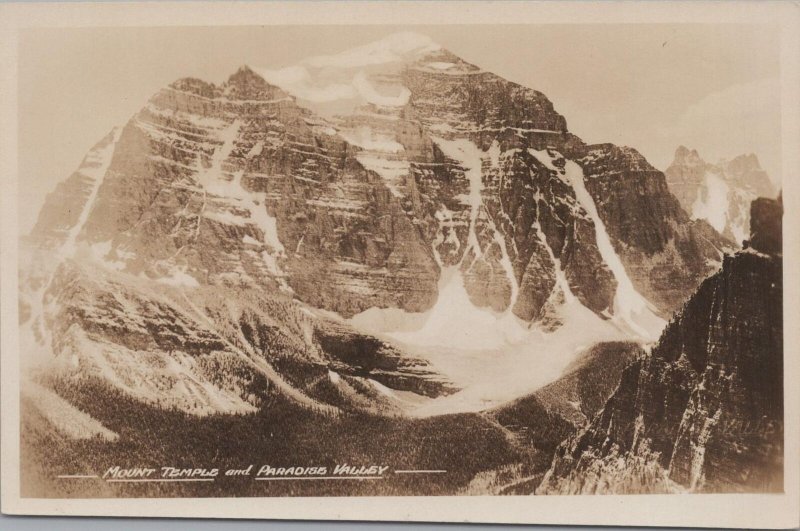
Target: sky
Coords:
[[714, 88]]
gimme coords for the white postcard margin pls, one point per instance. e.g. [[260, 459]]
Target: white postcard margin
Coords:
[[697, 510]]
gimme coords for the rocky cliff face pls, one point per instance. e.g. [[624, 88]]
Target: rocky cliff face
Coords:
[[719, 193], [236, 185], [390, 177], [704, 410]]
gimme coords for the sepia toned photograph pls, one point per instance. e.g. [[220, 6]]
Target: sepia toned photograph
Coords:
[[389, 260]]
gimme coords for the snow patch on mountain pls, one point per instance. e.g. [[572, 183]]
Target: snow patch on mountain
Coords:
[[629, 305], [712, 202], [393, 171], [297, 80], [35, 338], [94, 168], [455, 322], [178, 276], [505, 358], [505, 262], [723, 206], [440, 65], [495, 357], [367, 138], [545, 158], [371, 95], [344, 78], [213, 179], [396, 47], [470, 157], [561, 285]]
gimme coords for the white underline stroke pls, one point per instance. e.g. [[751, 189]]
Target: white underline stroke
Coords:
[[319, 477], [420, 471], [160, 480]]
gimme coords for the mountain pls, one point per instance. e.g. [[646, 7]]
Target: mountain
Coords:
[[703, 412], [719, 193], [503, 192], [389, 230]]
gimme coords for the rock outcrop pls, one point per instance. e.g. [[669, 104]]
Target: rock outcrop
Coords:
[[704, 410]]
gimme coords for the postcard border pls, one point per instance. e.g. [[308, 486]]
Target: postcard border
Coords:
[[702, 510]]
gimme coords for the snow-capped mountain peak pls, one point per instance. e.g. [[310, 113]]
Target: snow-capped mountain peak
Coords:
[[333, 84], [398, 47], [719, 193], [430, 192]]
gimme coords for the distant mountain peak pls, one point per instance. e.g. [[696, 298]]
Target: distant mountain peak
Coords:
[[718, 193], [687, 157], [742, 163], [739, 163]]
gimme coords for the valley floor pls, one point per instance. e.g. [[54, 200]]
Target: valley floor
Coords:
[[479, 455]]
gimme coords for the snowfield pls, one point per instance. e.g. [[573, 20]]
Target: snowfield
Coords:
[[496, 357]]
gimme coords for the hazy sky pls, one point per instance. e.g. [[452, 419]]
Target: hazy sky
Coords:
[[714, 88]]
